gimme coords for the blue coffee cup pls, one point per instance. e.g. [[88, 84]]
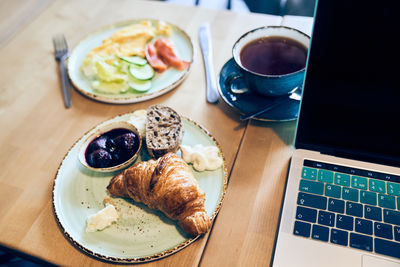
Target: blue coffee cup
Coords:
[[256, 67]]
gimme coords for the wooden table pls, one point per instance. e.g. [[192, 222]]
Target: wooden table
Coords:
[[37, 131]]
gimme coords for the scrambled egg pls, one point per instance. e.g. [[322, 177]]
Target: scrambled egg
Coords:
[[131, 40], [107, 72]]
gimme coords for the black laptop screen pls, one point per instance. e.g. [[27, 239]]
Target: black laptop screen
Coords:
[[351, 96]]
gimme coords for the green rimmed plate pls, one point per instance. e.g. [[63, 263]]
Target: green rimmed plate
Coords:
[[141, 234], [161, 83]]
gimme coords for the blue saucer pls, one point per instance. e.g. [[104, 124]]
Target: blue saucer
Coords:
[[249, 102]]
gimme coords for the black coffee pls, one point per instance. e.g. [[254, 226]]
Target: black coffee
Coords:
[[274, 55]]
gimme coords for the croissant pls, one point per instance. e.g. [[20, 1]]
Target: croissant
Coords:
[[168, 185]]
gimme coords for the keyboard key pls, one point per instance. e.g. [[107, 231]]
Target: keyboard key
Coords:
[[397, 233], [354, 209], [344, 222], [325, 176], [393, 189], [390, 177], [371, 174], [373, 213], [391, 216], [359, 182], [306, 214], [302, 229], [339, 237], [326, 218], [367, 197], [383, 230], [320, 232], [377, 186], [398, 203], [350, 194], [333, 190], [314, 164], [363, 226], [386, 201], [311, 187], [342, 179], [309, 173], [387, 248], [313, 201], [336, 205], [335, 168], [361, 242]]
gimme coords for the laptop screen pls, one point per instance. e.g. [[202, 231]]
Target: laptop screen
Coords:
[[351, 94]]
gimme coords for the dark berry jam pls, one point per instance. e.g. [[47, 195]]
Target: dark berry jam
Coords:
[[112, 148]]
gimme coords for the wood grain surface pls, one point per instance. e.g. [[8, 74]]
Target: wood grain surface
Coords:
[[37, 131], [15, 14]]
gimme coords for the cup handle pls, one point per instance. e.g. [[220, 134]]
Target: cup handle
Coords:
[[233, 79]]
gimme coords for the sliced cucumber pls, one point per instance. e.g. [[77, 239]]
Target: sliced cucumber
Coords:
[[135, 60], [110, 87], [140, 85], [144, 72]]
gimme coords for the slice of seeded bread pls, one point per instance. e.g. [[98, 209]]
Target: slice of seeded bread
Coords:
[[164, 130]]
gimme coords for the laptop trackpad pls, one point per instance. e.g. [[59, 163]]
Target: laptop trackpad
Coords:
[[371, 261]]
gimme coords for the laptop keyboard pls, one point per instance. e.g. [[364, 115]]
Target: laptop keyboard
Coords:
[[349, 207]]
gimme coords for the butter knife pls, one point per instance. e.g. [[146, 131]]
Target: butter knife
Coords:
[[206, 48]]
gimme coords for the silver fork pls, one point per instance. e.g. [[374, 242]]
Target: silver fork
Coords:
[[61, 53]]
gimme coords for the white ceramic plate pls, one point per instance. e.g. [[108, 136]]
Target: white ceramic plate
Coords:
[[161, 83], [141, 234]]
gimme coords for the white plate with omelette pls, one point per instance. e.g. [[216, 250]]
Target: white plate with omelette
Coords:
[[161, 83]]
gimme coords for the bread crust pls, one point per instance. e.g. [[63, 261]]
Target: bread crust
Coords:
[[164, 130]]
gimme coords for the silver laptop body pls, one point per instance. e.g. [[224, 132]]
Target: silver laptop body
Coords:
[[342, 201]]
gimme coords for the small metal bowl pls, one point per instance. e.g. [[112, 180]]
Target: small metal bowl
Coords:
[[100, 130]]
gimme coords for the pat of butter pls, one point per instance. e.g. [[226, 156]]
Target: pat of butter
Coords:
[[202, 157], [102, 219], [139, 119]]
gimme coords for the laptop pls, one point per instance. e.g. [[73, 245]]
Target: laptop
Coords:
[[342, 200]]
